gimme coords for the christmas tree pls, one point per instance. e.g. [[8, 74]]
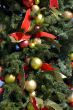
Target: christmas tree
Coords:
[[36, 54]]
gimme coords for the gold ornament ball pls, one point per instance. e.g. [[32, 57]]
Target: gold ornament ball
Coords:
[[37, 41], [70, 98], [71, 56], [9, 78], [30, 85], [31, 44], [36, 63], [37, 2], [68, 15], [32, 94], [39, 19], [35, 8]]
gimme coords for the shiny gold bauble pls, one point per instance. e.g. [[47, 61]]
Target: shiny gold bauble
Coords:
[[9, 78], [39, 19], [67, 15], [70, 98], [35, 8], [37, 2], [37, 41], [32, 94], [31, 44], [36, 63], [30, 85], [71, 56]]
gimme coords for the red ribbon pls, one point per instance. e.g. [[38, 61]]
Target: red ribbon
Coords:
[[45, 34], [19, 36], [27, 21], [47, 67], [34, 104], [54, 3]]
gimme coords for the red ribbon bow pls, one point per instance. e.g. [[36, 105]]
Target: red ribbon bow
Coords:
[[19, 36]]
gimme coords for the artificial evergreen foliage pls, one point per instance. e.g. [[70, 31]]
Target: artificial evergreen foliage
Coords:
[[50, 85]]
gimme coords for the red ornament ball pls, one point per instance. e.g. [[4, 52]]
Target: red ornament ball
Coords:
[[70, 100], [1, 91], [24, 43], [28, 3]]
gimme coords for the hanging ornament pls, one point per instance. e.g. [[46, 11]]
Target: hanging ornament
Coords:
[[35, 9], [37, 28], [9, 78], [1, 91], [17, 48], [36, 63], [37, 2], [39, 19], [71, 56], [30, 85], [24, 43], [37, 41], [28, 3], [31, 44], [1, 83], [32, 94], [68, 15], [70, 100]]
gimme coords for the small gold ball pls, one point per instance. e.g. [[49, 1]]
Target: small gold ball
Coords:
[[37, 2], [39, 19], [36, 63], [35, 8], [32, 94], [30, 85], [31, 45], [9, 78], [37, 41], [70, 98], [71, 56], [68, 15]]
